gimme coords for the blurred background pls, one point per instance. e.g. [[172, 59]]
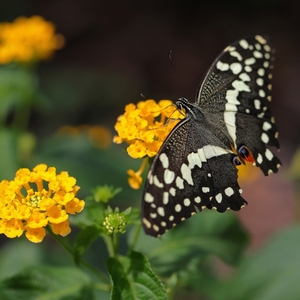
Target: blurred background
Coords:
[[114, 51]]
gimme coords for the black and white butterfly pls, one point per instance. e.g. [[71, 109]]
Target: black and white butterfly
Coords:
[[229, 123]]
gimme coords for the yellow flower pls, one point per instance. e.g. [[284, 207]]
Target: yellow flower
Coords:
[[135, 178], [144, 128], [35, 199], [62, 228], [28, 39]]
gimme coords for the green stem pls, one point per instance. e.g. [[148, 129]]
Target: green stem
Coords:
[[109, 244], [135, 237], [112, 244], [93, 270], [115, 239]]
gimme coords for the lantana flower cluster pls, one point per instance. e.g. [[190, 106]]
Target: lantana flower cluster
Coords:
[[36, 199], [145, 127], [28, 39]]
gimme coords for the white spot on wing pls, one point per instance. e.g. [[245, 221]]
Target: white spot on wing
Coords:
[[230, 111], [266, 126], [157, 182], [261, 93], [194, 160], [261, 72], [201, 154], [267, 48], [257, 104], [164, 160], [169, 176], [229, 191], [148, 198], [245, 77], [260, 39], [205, 189], [244, 44], [186, 202], [236, 54], [155, 227], [197, 199], [264, 138], [165, 198], [186, 174], [260, 81], [257, 54], [172, 191], [269, 154], [146, 223], [250, 61], [222, 66], [236, 68], [213, 151], [258, 46], [259, 158], [150, 179], [240, 86], [153, 215], [177, 207], [161, 211], [219, 198], [179, 183], [248, 69]]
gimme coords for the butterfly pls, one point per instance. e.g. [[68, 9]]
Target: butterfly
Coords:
[[229, 123]]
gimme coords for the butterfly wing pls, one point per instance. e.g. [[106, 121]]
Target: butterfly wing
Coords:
[[187, 175], [194, 167], [237, 88]]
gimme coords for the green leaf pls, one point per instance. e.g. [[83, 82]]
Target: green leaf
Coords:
[[83, 241], [92, 213], [133, 215], [200, 236], [46, 283], [271, 274], [18, 86], [9, 164], [133, 278]]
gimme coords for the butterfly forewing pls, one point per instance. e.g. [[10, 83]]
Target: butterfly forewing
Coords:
[[194, 168]]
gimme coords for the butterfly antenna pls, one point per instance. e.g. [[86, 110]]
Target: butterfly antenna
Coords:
[[176, 74]]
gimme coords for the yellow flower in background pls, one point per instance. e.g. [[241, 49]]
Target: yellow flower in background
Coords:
[[28, 39], [144, 126], [99, 136], [35, 199]]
